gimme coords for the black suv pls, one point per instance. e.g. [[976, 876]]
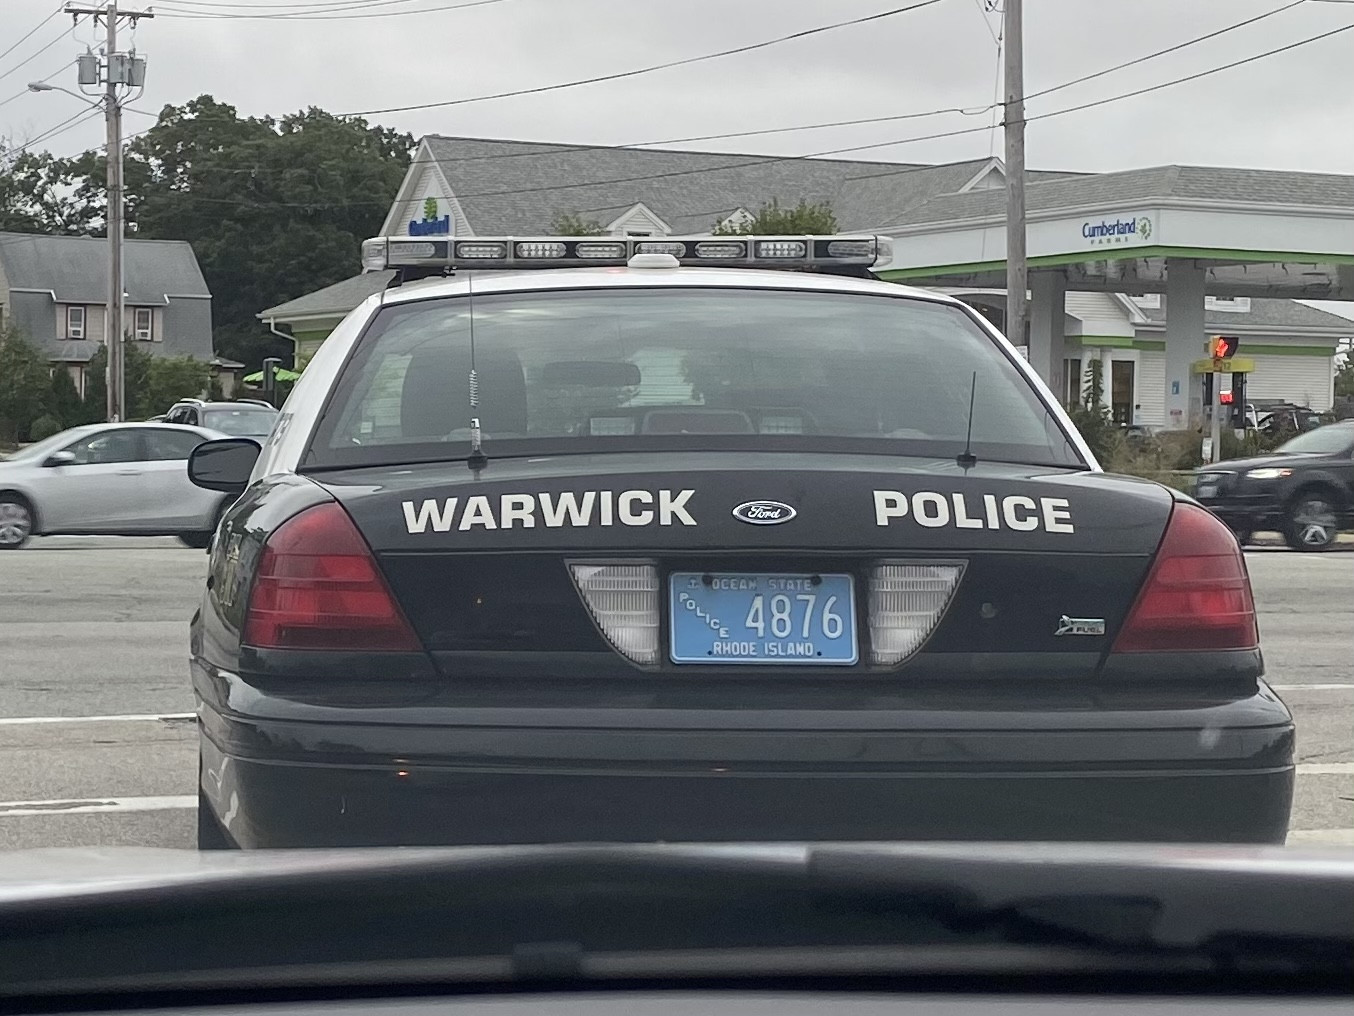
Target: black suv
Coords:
[[242, 418], [1304, 489]]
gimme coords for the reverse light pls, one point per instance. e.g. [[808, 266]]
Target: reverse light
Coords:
[[907, 601], [1268, 473], [1197, 595], [623, 600], [318, 587]]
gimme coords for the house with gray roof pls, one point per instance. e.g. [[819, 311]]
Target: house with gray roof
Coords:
[[469, 187], [55, 290]]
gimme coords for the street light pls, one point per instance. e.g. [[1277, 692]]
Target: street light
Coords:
[[43, 86]]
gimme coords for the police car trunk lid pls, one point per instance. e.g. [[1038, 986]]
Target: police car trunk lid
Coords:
[[1048, 560]]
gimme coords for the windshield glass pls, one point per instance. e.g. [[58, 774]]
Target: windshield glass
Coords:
[[683, 369], [240, 422], [1322, 441]]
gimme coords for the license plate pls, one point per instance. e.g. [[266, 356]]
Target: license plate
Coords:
[[768, 619], [1206, 490]]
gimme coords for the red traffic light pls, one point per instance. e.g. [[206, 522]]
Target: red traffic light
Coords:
[[1224, 346], [1225, 398]]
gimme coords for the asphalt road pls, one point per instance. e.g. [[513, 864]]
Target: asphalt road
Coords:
[[98, 746]]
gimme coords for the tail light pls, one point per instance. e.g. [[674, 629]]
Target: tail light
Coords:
[[318, 587], [1197, 595]]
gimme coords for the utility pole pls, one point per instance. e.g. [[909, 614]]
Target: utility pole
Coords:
[[1017, 269], [118, 69]]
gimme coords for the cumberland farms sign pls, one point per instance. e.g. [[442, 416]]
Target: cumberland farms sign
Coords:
[[1098, 232]]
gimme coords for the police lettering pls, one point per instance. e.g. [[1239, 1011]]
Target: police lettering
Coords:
[[932, 510], [551, 511]]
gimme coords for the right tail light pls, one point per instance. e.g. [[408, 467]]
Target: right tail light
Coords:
[[1197, 595]]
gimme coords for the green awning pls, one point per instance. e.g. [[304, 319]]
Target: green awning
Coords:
[[282, 374]]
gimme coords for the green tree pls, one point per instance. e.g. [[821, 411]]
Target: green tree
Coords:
[[1092, 417], [772, 220], [570, 224], [24, 383], [274, 207], [35, 194], [63, 402], [170, 379]]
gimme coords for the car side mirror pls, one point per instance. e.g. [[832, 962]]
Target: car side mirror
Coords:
[[63, 458], [224, 465]]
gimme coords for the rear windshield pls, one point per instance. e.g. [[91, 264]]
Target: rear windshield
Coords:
[[240, 422], [669, 368]]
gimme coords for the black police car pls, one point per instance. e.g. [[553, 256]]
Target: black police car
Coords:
[[1304, 489], [660, 548]]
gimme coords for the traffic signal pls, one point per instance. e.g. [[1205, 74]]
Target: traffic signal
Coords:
[[1225, 398], [1238, 406], [1224, 346]]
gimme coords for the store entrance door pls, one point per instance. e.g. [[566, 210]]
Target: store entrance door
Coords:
[[1121, 391]]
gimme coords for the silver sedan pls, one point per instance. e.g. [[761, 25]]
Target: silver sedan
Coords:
[[108, 479]]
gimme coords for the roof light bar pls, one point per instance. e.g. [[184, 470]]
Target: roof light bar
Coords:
[[443, 255]]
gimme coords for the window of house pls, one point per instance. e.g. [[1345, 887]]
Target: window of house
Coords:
[[141, 323], [75, 322]]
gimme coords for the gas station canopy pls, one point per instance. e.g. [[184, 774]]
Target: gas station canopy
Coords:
[[1188, 232]]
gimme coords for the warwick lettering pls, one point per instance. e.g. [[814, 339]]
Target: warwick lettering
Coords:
[[974, 511], [589, 508]]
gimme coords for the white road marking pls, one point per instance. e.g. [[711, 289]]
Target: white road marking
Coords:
[[1312, 687], [1326, 768], [1338, 837], [19, 721], [95, 805]]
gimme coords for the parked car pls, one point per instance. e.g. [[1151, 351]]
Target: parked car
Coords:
[[242, 418], [108, 479], [1304, 489]]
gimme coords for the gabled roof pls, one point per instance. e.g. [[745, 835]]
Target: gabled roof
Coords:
[[331, 301], [518, 187], [75, 268], [1196, 183]]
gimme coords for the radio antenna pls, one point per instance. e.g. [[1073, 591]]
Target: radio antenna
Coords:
[[477, 460], [966, 459]]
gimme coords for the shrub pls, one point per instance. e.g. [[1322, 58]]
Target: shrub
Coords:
[[44, 427]]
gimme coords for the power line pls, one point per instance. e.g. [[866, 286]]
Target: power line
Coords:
[[992, 107], [60, 38], [685, 61], [766, 160], [330, 15], [31, 33], [1165, 84], [70, 123], [21, 94], [1169, 49]]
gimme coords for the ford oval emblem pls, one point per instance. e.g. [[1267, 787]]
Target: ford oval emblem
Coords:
[[764, 513]]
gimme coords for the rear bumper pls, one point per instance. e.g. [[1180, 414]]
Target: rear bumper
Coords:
[[290, 775]]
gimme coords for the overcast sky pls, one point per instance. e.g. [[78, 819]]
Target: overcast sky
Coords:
[[1294, 110]]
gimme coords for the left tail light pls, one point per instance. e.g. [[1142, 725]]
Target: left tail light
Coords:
[[318, 587]]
